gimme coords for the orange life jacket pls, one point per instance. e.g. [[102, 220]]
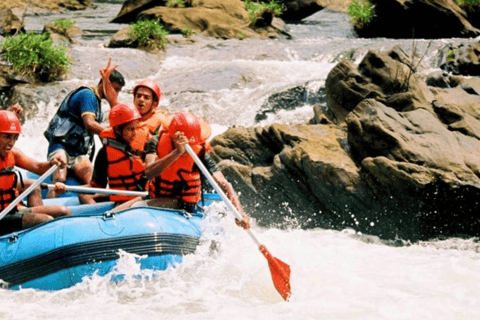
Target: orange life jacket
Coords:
[[125, 168], [156, 122], [180, 180], [8, 180]]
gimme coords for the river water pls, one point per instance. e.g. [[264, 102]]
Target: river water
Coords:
[[335, 274]]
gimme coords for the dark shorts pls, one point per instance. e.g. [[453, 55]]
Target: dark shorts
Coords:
[[13, 221]]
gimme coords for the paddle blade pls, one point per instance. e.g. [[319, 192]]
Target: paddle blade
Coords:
[[280, 273]]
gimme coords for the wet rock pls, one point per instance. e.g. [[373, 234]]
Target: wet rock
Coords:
[[291, 99], [68, 35], [462, 59], [45, 6], [398, 158], [10, 24], [406, 19], [122, 39], [213, 18]]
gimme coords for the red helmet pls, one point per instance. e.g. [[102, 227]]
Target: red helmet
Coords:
[[187, 123], [122, 113], [9, 122], [150, 84]]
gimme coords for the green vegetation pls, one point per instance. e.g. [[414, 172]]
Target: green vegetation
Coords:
[[64, 23], [36, 55], [451, 54], [360, 11], [242, 36], [256, 9], [175, 3], [148, 33], [187, 31], [348, 55], [470, 2]]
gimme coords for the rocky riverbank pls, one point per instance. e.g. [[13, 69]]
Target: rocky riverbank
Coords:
[[392, 150]]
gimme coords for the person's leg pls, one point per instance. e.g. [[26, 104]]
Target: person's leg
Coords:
[[59, 175], [165, 202], [52, 211], [83, 169], [30, 219], [35, 197]]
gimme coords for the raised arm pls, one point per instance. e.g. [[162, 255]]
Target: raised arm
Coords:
[[108, 90]]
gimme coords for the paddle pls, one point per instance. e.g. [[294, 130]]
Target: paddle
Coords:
[[28, 191], [80, 189], [280, 270]]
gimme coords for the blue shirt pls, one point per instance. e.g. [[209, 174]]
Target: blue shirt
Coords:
[[82, 102]]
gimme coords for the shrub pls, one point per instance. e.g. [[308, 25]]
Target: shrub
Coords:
[[451, 54], [187, 31], [148, 33], [64, 23], [36, 55], [175, 3], [360, 11], [470, 2], [256, 9]]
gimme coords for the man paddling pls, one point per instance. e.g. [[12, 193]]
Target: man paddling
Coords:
[[71, 131], [175, 179], [10, 186]]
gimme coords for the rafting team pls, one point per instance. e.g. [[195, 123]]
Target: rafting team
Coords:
[[143, 149]]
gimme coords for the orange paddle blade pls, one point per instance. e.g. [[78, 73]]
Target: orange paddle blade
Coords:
[[280, 273]]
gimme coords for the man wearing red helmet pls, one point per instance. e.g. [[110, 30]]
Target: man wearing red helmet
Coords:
[[146, 97], [21, 217], [175, 178], [70, 132], [123, 165]]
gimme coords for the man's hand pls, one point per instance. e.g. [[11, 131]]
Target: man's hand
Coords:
[[244, 223], [109, 92], [59, 161], [107, 70], [17, 109], [59, 188], [179, 141]]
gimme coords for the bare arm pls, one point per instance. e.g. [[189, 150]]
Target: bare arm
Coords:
[[232, 196], [91, 124], [108, 91], [155, 166], [25, 162]]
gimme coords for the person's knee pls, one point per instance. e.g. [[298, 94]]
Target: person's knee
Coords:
[[84, 170], [64, 211], [32, 219]]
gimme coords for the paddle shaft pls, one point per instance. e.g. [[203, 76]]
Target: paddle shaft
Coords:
[[28, 191], [80, 189], [219, 190]]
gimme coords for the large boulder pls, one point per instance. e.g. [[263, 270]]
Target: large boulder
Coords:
[[212, 18], [393, 157], [132, 8], [417, 19], [66, 36], [45, 6], [461, 59], [10, 24]]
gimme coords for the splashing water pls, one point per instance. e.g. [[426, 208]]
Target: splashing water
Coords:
[[335, 275]]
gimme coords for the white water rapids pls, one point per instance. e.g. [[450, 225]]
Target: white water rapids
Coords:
[[335, 275]]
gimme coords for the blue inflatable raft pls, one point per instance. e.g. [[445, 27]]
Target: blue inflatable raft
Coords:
[[60, 253]]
